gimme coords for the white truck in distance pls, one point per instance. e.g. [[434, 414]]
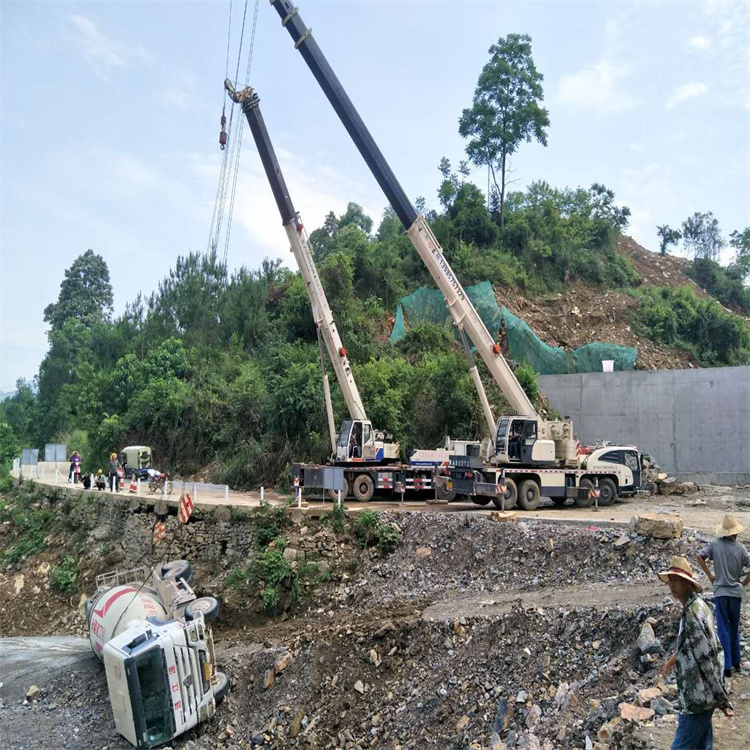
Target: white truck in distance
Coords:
[[152, 634]]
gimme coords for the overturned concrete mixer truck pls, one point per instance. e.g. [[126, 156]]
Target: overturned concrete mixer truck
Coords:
[[152, 633]]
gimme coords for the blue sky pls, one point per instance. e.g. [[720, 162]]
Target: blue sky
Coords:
[[110, 119]]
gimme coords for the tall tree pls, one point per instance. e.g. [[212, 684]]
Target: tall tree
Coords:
[[702, 235], [85, 293], [506, 109], [667, 236]]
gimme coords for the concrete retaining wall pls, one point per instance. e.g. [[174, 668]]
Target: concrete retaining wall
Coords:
[[695, 423]]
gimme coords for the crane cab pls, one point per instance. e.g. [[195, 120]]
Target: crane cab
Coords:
[[358, 442], [517, 441]]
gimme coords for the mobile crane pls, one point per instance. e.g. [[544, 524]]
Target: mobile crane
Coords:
[[369, 460], [540, 455]]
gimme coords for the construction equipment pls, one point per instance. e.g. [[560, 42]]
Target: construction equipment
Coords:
[[157, 650], [356, 441], [368, 456], [525, 440]]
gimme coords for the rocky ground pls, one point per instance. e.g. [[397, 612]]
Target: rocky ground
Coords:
[[472, 634]]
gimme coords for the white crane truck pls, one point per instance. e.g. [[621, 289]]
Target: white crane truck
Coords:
[[370, 461], [526, 456], [157, 649]]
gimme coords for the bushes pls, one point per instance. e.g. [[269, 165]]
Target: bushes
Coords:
[[370, 531], [64, 576], [726, 284], [676, 315]]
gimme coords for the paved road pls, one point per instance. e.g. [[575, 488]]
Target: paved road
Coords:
[[30, 660], [702, 511]]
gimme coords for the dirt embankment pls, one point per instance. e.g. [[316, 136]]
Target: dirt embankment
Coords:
[[585, 313]]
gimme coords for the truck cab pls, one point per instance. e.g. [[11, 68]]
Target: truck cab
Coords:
[[358, 442], [161, 679], [517, 441]]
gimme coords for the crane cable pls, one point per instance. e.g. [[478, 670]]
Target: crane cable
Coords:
[[228, 172], [241, 130]]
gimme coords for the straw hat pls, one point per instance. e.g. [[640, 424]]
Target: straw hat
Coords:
[[730, 526], [679, 566]]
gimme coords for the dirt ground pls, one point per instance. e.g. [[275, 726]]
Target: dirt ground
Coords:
[[470, 627]]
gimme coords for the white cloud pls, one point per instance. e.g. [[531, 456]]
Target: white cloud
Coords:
[[98, 50], [598, 89], [698, 42], [685, 92]]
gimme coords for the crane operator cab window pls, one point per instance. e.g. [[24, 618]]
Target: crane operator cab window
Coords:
[[520, 434]]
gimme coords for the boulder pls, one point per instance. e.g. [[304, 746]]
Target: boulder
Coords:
[[668, 526], [638, 714]]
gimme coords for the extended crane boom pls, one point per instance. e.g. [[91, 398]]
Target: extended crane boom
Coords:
[[463, 312], [301, 248]]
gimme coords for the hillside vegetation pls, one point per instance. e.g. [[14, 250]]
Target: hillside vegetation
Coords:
[[220, 371]]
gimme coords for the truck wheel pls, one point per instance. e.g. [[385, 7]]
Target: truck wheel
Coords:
[[607, 491], [364, 488], [480, 500], [333, 495], [585, 502], [529, 495], [449, 495], [221, 687], [177, 569], [510, 497], [206, 605]]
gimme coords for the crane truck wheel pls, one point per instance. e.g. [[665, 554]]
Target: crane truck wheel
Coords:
[[585, 502], [607, 491], [334, 495], [363, 488], [509, 499], [221, 687], [177, 569], [529, 495], [205, 605], [480, 500]]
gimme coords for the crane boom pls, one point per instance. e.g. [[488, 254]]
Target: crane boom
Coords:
[[464, 314], [301, 248]]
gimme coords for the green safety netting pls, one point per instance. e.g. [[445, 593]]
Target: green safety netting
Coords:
[[523, 343]]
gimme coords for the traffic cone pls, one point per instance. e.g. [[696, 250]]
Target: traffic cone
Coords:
[[133, 484]]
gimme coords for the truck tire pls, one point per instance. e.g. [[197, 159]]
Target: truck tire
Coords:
[[585, 502], [363, 488], [607, 492], [449, 495], [205, 605], [480, 500], [529, 495], [333, 495], [511, 496], [221, 688], [177, 569]]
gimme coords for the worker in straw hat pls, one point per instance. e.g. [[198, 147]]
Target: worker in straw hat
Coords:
[[700, 682], [730, 559]]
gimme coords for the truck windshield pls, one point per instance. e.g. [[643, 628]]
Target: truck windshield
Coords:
[[346, 427], [157, 706]]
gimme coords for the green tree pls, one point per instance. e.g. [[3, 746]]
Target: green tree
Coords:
[[506, 109], [9, 447], [667, 237], [702, 235], [740, 241], [85, 293]]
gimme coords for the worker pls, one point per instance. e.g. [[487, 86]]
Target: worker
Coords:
[[730, 559], [86, 479], [114, 471], [700, 683], [101, 482]]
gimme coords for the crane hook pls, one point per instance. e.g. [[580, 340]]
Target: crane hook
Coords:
[[223, 133]]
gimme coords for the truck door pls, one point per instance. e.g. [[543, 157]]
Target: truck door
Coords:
[[528, 438], [633, 462]]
